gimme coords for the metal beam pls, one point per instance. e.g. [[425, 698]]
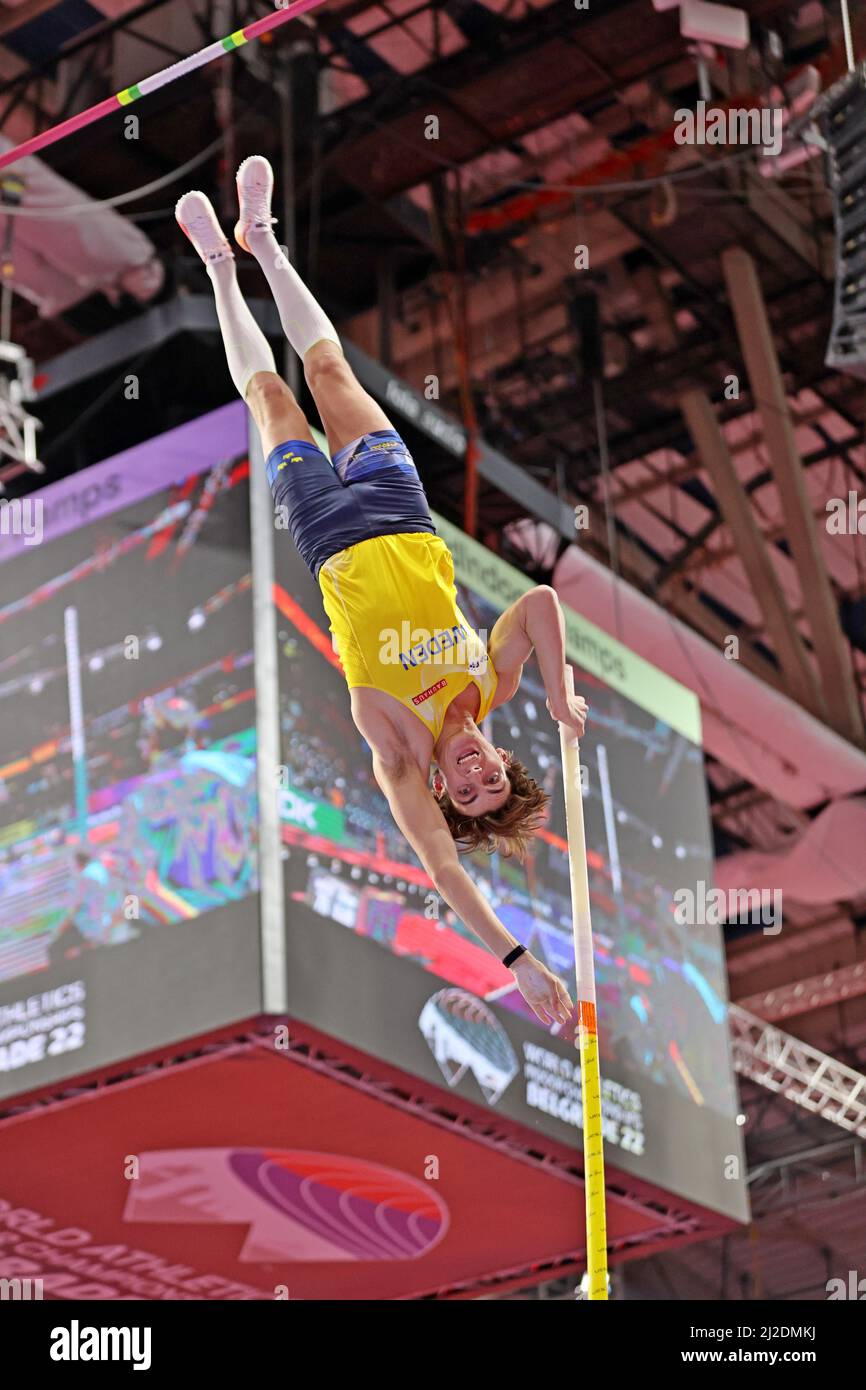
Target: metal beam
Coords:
[[68, 50], [492, 466], [802, 996], [24, 14], [798, 1071], [691, 467], [640, 570], [834, 930], [752, 549], [762, 365], [786, 220], [697, 541]]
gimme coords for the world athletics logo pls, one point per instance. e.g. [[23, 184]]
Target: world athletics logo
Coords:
[[464, 1035], [297, 1205]]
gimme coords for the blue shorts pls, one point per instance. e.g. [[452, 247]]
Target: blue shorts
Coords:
[[371, 489]]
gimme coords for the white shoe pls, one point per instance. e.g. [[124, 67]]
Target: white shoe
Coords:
[[196, 217], [255, 180]]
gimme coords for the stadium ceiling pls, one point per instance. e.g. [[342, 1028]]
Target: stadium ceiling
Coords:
[[450, 159]]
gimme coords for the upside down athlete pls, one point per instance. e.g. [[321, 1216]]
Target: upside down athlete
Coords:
[[363, 527]]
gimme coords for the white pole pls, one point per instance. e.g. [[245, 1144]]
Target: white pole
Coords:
[[609, 819], [849, 42]]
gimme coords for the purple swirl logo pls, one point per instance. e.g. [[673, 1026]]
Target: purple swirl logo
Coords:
[[297, 1205]]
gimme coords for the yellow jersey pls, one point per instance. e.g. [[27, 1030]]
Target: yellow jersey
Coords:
[[397, 626]]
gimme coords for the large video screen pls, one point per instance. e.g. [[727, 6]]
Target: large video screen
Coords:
[[377, 959], [128, 809]]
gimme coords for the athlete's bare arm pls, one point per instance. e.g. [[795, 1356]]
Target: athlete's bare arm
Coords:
[[423, 824], [535, 622]]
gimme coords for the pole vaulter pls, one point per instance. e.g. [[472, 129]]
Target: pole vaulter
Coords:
[[361, 523]]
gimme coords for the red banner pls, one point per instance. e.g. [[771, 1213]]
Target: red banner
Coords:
[[252, 1176]]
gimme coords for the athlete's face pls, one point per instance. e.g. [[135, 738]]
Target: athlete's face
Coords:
[[473, 773]]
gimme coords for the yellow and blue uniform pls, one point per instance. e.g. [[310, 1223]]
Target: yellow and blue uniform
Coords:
[[398, 627], [371, 489], [363, 527]]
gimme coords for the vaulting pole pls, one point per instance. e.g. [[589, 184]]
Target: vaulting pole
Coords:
[[159, 79], [590, 1076]]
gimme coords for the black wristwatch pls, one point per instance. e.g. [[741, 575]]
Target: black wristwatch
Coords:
[[513, 956]]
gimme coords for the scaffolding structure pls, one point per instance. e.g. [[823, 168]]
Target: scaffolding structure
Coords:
[[799, 1072]]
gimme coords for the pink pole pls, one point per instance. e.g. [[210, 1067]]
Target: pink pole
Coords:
[[159, 79], [58, 132]]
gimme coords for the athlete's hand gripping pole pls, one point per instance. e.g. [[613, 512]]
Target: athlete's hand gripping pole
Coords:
[[590, 1078]]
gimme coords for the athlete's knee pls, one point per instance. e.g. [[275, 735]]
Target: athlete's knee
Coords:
[[274, 408], [268, 394], [325, 366]]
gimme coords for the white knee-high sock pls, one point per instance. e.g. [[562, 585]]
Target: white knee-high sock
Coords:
[[247, 349], [303, 318]]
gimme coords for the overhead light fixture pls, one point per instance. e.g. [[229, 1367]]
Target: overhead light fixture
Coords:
[[716, 24]]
